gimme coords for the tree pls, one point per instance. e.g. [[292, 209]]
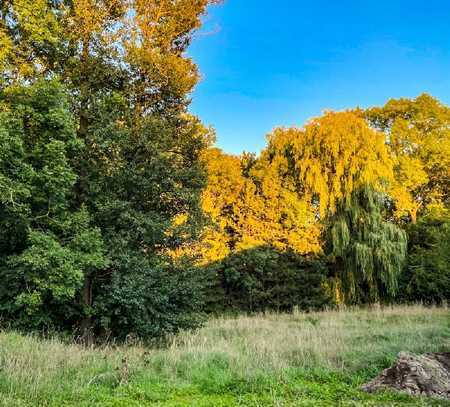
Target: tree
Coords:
[[368, 253], [341, 167], [136, 195], [426, 277], [128, 78], [250, 206], [418, 137], [47, 244], [27, 31], [330, 158], [276, 214], [255, 250], [264, 278], [220, 203]]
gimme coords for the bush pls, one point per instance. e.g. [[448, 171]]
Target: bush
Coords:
[[148, 301], [427, 275], [265, 279]]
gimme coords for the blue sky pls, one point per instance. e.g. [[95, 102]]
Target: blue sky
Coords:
[[267, 63]]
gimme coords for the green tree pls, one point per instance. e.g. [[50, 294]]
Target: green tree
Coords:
[[135, 195], [264, 278], [367, 252], [47, 243], [426, 277], [124, 66]]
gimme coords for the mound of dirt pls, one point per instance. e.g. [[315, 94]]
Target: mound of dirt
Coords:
[[427, 374]]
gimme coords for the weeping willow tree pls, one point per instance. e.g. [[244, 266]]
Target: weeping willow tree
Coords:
[[337, 162], [368, 251], [330, 157]]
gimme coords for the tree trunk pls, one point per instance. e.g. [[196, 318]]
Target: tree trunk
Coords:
[[84, 89], [86, 326], [413, 212], [413, 215]]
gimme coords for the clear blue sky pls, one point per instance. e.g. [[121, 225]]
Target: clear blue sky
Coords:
[[266, 63]]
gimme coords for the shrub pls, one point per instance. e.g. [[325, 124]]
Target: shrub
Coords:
[[427, 275], [149, 301], [265, 279]]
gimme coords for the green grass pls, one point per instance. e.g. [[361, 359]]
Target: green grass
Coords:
[[318, 359]]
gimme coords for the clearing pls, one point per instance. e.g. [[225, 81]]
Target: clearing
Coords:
[[315, 359]]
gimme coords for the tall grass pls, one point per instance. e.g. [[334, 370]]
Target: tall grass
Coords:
[[353, 340], [228, 354]]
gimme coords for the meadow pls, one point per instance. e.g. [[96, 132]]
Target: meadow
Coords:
[[307, 359]]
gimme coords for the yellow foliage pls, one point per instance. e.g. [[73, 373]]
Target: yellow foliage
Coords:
[[6, 48], [38, 25], [148, 37], [332, 156], [254, 209], [89, 18], [36, 20], [157, 33], [417, 132], [303, 173]]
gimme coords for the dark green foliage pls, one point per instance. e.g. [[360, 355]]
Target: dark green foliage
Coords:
[[427, 275], [148, 301], [135, 181], [86, 223], [368, 252], [120, 156], [265, 279], [47, 243]]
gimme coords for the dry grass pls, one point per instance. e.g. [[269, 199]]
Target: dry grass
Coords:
[[323, 339], [225, 351]]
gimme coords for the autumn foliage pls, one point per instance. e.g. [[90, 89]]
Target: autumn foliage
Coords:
[[120, 217], [339, 190]]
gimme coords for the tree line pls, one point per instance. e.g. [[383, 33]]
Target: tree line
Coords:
[[359, 196], [120, 217]]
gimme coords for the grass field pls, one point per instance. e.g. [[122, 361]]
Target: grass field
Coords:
[[316, 359]]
